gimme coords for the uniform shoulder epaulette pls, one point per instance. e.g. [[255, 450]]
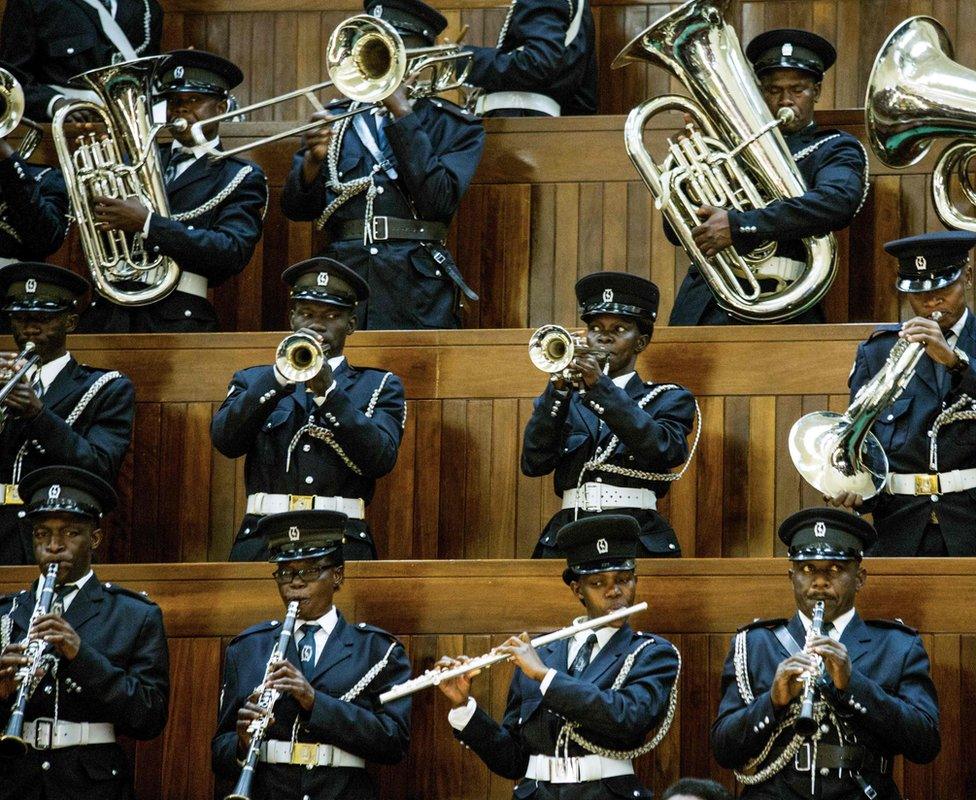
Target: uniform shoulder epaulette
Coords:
[[9, 597], [891, 624], [114, 588], [365, 627], [645, 635], [884, 330], [763, 623], [257, 627], [454, 109]]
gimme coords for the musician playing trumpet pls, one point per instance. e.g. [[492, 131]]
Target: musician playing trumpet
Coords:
[[611, 438], [327, 722], [579, 709], [925, 508], [319, 442]]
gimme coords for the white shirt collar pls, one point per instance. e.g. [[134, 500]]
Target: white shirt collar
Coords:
[[335, 362], [960, 324], [197, 149], [623, 380], [839, 624], [70, 596], [326, 622], [603, 635], [51, 370]]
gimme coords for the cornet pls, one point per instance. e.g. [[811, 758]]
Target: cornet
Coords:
[[552, 349], [299, 357], [12, 114], [30, 358]]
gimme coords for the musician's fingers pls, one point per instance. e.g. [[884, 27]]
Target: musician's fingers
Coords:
[[524, 636]]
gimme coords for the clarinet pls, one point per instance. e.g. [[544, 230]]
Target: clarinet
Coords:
[[259, 726], [12, 742], [805, 723]]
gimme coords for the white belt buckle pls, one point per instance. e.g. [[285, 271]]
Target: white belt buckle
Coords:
[[592, 497], [43, 741], [564, 770], [377, 224]]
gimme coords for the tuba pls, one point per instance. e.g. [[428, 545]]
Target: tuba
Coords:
[[734, 156], [916, 94], [12, 114], [123, 164]]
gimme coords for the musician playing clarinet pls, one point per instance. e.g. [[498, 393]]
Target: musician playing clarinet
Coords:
[[328, 722], [594, 697], [872, 696]]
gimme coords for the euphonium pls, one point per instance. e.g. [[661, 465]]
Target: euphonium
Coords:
[[299, 357], [552, 349], [733, 157], [916, 94], [12, 114], [38, 655], [124, 164], [837, 452]]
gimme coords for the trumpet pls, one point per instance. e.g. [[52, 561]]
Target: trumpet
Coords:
[[30, 358], [433, 677], [12, 114], [805, 723], [300, 357], [39, 658], [552, 349]]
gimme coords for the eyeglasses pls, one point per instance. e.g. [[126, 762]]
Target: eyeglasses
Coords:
[[309, 574]]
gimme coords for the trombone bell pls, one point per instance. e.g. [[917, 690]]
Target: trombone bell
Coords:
[[299, 357]]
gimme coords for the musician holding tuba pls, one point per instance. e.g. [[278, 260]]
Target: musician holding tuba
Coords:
[[579, 709], [327, 722], [216, 208], [315, 431], [790, 65], [107, 674], [869, 680], [610, 438], [385, 185], [928, 433], [60, 411]]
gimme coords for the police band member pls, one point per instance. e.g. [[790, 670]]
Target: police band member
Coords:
[[611, 441], [111, 675], [874, 697], [790, 66], [61, 412], [52, 41], [576, 697], [925, 507], [384, 186], [328, 722], [321, 443], [544, 63], [216, 207]]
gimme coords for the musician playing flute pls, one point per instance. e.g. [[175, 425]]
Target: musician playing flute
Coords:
[[594, 697], [328, 722], [111, 673], [928, 433], [872, 691]]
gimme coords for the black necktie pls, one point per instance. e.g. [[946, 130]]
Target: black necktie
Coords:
[[60, 592], [306, 648], [582, 660], [181, 156]]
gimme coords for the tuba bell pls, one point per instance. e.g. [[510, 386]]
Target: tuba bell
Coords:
[[734, 156], [916, 93], [123, 164], [12, 114]]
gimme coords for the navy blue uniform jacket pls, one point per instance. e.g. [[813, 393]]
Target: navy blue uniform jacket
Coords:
[[54, 40], [120, 676], [562, 435], [835, 174], [534, 57], [903, 430], [97, 441], [435, 151], [890, 706], [259, 418], [216, 244], [34, 216], [364, 727], [618, 720]]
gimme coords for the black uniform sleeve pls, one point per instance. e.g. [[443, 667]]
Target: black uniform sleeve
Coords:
[[223, 746], [19, 47], [499, 746], [36, 209], [252, 396], [301, 201], [543, 438]]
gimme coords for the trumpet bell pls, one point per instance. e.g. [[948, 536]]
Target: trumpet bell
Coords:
[[299, 357], [551, 348], [366, 59], [817, 447]]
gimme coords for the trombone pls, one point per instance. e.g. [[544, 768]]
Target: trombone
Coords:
[[367, 61], [12, 114]]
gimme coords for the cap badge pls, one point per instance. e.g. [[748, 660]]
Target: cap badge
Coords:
[[31, 286], [602, 547], [178, 72], [608, 295], [322, 279], [294, 534], [378, 11], [787, 49], [820, 530], [920, 263], [54, 492]]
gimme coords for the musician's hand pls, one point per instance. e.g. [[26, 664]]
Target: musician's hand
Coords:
[[836, 660], [848, 500], [589, 368], [11, 660], [714, 234], [5, 149], [22, 400], [288, 679], [245, 715], [321, 382], [927, 331], [520, 652], [787, 684], [127, 215], [317, 145], [58, 633], [458, 689], [398, 104]]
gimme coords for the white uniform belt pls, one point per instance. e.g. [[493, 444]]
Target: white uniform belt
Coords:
[[46, 734], [779, 268], [603, 496], [264, 503], [578, 769], [525, 101], [275, 751], [9, 496], [958, 480], [191, 283]]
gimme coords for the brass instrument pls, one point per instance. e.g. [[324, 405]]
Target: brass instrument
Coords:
[[433, 677], [916, 94], [805, 723], [39, 658], [300, 357], [837, 452], [366, 61], [733, 156], [552, 349], [122, 165], [30, 358], [267, 700], [12, 115]]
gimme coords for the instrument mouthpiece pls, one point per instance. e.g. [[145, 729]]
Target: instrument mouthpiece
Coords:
[[936, 316], [786, 116]]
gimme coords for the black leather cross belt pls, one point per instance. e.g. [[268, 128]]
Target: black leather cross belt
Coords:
[[384, 228]]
